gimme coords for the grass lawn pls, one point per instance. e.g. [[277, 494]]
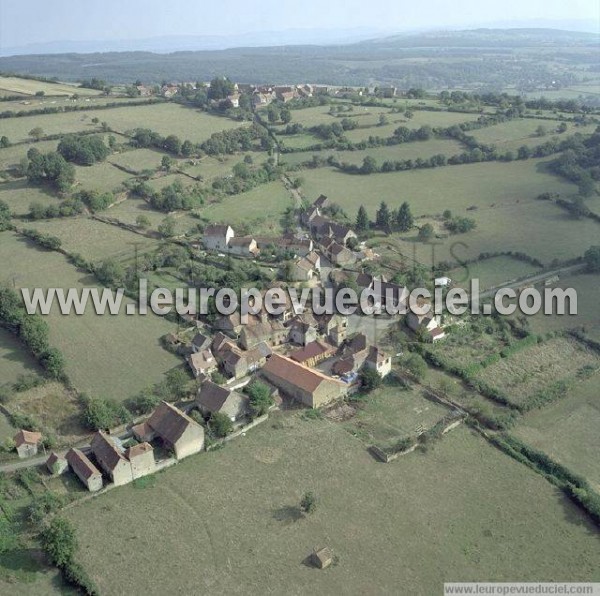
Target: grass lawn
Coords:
[[464, 504], [567, 430], [19, 195], [533, 369], [261, 208], [16, 85], [390, 414], [15, 360], [111, 356], [92, 239], [491, 272]]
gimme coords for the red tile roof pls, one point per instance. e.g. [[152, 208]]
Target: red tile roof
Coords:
[[27, 437]]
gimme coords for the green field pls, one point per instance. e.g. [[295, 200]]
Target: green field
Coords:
[[100, 176], [111, 356], [587, 287], [19, 195], [568, 430], [423, 149], [138, 159], [491, 272], [391, 414], [164, 118], [11, 156], [537, 368], [18, 86], [14, 358], [514, 133], [463, 504], [261, 208], [93, 239]]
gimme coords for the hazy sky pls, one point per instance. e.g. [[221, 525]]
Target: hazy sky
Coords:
[[30, 21]]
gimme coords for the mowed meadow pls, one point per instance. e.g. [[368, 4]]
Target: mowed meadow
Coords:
[[107, 356], [463, 504]]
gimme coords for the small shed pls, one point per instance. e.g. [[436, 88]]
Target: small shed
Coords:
[[26, 443], [56, 464], [322, 558]]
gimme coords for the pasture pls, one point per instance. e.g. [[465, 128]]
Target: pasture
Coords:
[[101, 176], [537, 368], [164, 118], [137, 159], [14, 358], [514, 133], [587, 287], [10, 157], [463, 504], [110, 356], [491, 272], [19, 86], [18, 195], [93, 239], [422, 149], [567, 430], [260, 208]]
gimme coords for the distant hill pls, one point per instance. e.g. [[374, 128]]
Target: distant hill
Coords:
[[479, 58]]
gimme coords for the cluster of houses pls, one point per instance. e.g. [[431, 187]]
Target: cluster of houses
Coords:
[[108, 457]]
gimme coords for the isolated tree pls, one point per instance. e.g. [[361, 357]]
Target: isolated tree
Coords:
[[178, 382], [142, 222], [59, 541], [404, 218], [362, 220], [426, 232], [259, 397], [383, 120], [369, 165], [4, 142], [220, 424], [369, 378], [383, 217], [308, 503], [167, 227], [416, 365], [166, 163], [36, 133], [285, 115]]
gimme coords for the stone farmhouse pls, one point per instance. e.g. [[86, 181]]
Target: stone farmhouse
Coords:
[[202, 363], [56, 464], [426, 323], [111, 459], [313, 353], [27, 442], [306, 385], [175, 430], [213, 398], [217, 237], [85, 470], [141, 458]]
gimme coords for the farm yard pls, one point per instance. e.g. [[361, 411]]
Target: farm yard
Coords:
[[462, 503]]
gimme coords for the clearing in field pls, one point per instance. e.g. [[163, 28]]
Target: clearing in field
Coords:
[[101, 176], [567, 430], [138, 160], [93, 239], [535, 369], [464, 504], [110, 356]]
